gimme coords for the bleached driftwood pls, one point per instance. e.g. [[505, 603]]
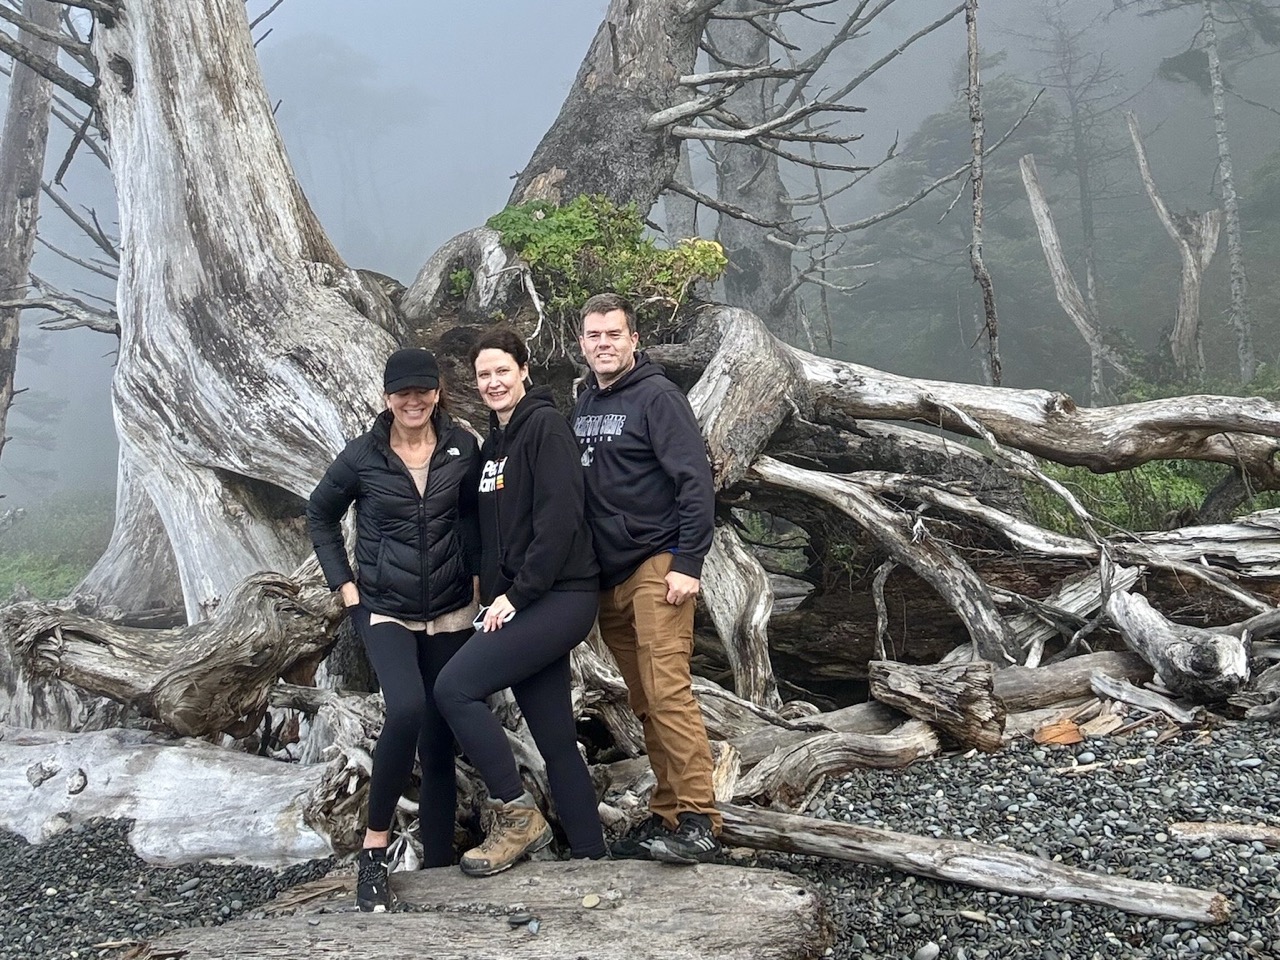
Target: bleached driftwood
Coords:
[[1147, 699], [207, 678], [1205, 665], [638, 911], [974, 864], [791, 776], [959, 698], [1236, 832], [189, 800]]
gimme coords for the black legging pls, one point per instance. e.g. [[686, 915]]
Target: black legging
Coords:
[[530, 654], [407, 663]]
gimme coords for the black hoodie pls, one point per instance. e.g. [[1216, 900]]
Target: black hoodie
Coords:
[[533, 532], [649, 486]]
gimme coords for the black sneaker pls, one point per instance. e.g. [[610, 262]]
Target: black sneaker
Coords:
[[691, 842], [637, 843], [373, 893]]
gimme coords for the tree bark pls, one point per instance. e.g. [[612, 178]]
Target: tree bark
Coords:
[[22, 151], [248, 350], [1241, 321], [958, 698], [981, 275], [602, 141]]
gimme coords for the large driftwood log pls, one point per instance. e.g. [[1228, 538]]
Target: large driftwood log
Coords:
[[957, 697], [188, 800], [207, 678], [610, 910], [973, 864], [1204, 665]]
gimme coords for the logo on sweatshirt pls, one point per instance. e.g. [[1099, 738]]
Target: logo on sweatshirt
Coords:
[[491, 476], [600, 428], [588, 455]]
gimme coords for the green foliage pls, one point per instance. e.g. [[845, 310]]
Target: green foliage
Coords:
[[460, 282], [53, 546], [590, 246], [1153, 496]]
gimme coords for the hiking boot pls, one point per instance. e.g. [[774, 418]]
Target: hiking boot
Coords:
[[691, 842], [373, 892], [637, 843], [516, 830]]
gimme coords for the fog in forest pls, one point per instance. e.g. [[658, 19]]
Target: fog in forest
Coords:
[[406, 122]]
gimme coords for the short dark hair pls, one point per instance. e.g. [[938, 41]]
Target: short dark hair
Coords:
[[504, 339], [606, 303]]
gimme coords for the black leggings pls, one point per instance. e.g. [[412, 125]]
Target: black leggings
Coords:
[[407, 663], [530, 654]]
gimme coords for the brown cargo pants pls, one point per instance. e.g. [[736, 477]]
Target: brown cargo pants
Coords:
[[652, 642]]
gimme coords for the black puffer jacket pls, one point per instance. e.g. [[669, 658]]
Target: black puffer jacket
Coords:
[[416, 554]]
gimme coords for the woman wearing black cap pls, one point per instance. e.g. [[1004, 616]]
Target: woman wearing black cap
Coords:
[[413, 479]]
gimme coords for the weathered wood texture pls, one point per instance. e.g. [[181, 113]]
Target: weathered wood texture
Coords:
[[974, 864], [958, 698], [1205, 665], [189, 800], [791, 776], [602, 142], [645, 910], [207, 678]]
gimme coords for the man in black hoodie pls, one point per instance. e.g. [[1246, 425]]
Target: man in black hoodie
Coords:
[[650, 504]]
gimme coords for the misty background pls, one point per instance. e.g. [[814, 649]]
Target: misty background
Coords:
[[405, 122]]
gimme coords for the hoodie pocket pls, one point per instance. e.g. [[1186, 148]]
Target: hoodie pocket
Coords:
[[612, 538]]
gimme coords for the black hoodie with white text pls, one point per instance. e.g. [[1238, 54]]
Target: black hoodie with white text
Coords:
[[649, 486]]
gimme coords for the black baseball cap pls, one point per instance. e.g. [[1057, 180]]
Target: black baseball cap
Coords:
[[411, 368]]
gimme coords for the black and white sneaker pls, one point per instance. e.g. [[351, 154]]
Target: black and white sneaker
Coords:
[[637, 843], [692, 842], [373, 892]]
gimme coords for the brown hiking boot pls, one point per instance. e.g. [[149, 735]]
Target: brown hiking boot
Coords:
[[515, 830]]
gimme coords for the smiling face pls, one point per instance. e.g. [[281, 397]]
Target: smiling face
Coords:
[[500, 380], [412, 408], [608, 344]]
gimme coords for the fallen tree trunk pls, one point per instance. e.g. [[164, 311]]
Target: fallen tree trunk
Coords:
[[611, 910], [957, 697], [211, 677], [234, 806], [973, 864]]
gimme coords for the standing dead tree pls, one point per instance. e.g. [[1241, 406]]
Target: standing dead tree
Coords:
[[1196, 236], [22, 152], [1076, 305], [981, 275]]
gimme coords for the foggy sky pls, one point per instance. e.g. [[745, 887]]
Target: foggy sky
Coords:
[[405, 122]]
